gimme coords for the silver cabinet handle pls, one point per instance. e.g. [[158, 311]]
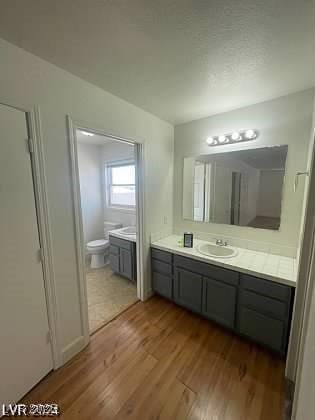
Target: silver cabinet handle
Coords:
[[296, 181]]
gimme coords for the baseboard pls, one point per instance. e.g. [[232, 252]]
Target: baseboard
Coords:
[[148, 294], [72, 349], [289, 394]]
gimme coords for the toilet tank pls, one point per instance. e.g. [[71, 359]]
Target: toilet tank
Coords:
[[110, 226]]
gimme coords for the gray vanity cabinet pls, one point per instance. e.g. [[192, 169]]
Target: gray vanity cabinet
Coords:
[[122, 257], [252, 307], [162, 269], [264, 311], [114, 258], [260, 328], [219, 302], [125, 261], [188, 289]]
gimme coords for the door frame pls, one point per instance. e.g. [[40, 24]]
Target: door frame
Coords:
[[72, 126], [37, 160]]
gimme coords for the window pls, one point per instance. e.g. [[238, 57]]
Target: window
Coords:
[[121, 185]]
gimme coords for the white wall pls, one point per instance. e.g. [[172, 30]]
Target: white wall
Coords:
[[304, 408], [112, 152], [223, 187], [27, 81], [89, 160], [282, 121], [303, 294], [249, 196], [270, 192]]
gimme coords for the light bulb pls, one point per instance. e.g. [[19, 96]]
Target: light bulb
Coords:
[[236, 136], [87, 133], [250, 134], [222, 139], [210, 141]]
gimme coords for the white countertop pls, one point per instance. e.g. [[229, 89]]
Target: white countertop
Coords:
[[119, 234], [268, 266]]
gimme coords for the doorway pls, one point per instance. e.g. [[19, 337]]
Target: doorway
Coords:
[[106, 175], [26, 353]]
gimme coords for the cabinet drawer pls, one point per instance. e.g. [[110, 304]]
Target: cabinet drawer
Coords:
[[161, 255], [266, 287], [162, 285], [263, 304], [219, 302], [217, 273], [114, 250], [267, 331], [161, 267], [121, 243]]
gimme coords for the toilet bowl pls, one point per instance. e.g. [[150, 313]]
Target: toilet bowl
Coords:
[[97, 251], [98, 248]]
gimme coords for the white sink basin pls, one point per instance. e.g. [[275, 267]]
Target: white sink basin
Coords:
[[216, 251], [130, 230]]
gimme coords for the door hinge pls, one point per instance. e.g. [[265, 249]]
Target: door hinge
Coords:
[[40, 255], [30, 145]]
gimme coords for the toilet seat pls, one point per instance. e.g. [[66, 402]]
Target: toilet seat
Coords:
[[98, 243], [97, 247]]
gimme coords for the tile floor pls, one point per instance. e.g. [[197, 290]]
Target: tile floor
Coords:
[[108, 295]]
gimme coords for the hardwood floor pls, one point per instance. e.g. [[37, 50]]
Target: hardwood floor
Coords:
[[158, 361]]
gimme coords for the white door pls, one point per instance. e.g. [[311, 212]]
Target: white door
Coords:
[[199, 191], [25, 351]]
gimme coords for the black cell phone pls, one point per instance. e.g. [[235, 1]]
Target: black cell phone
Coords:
[[188, 240]]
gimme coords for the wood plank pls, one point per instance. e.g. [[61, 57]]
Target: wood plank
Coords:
[[159, 361], [106, 396], [118, 332], [179, 405]]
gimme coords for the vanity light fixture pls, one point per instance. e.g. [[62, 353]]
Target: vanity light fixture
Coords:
[[236, 136], [250, 134], [210, 141]]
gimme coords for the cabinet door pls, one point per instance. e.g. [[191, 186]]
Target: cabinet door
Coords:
[[114, 262], [219, 302], [263, 329], [125, 263], [188, 289], [162, 284]]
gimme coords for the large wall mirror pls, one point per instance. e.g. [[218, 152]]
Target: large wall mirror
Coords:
[[241, 188]]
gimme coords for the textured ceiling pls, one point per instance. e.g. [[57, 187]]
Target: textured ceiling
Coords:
[[179, 59]]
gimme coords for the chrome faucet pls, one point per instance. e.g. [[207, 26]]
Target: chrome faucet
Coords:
[[220, 242]]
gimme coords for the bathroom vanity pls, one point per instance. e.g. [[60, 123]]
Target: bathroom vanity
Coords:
[[249, 305], [122, 257]]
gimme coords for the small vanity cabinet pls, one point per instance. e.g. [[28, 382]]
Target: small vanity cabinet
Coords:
[[122, 257], [250, 306]]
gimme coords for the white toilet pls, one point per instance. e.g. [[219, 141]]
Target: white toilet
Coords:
[[97, 249]]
